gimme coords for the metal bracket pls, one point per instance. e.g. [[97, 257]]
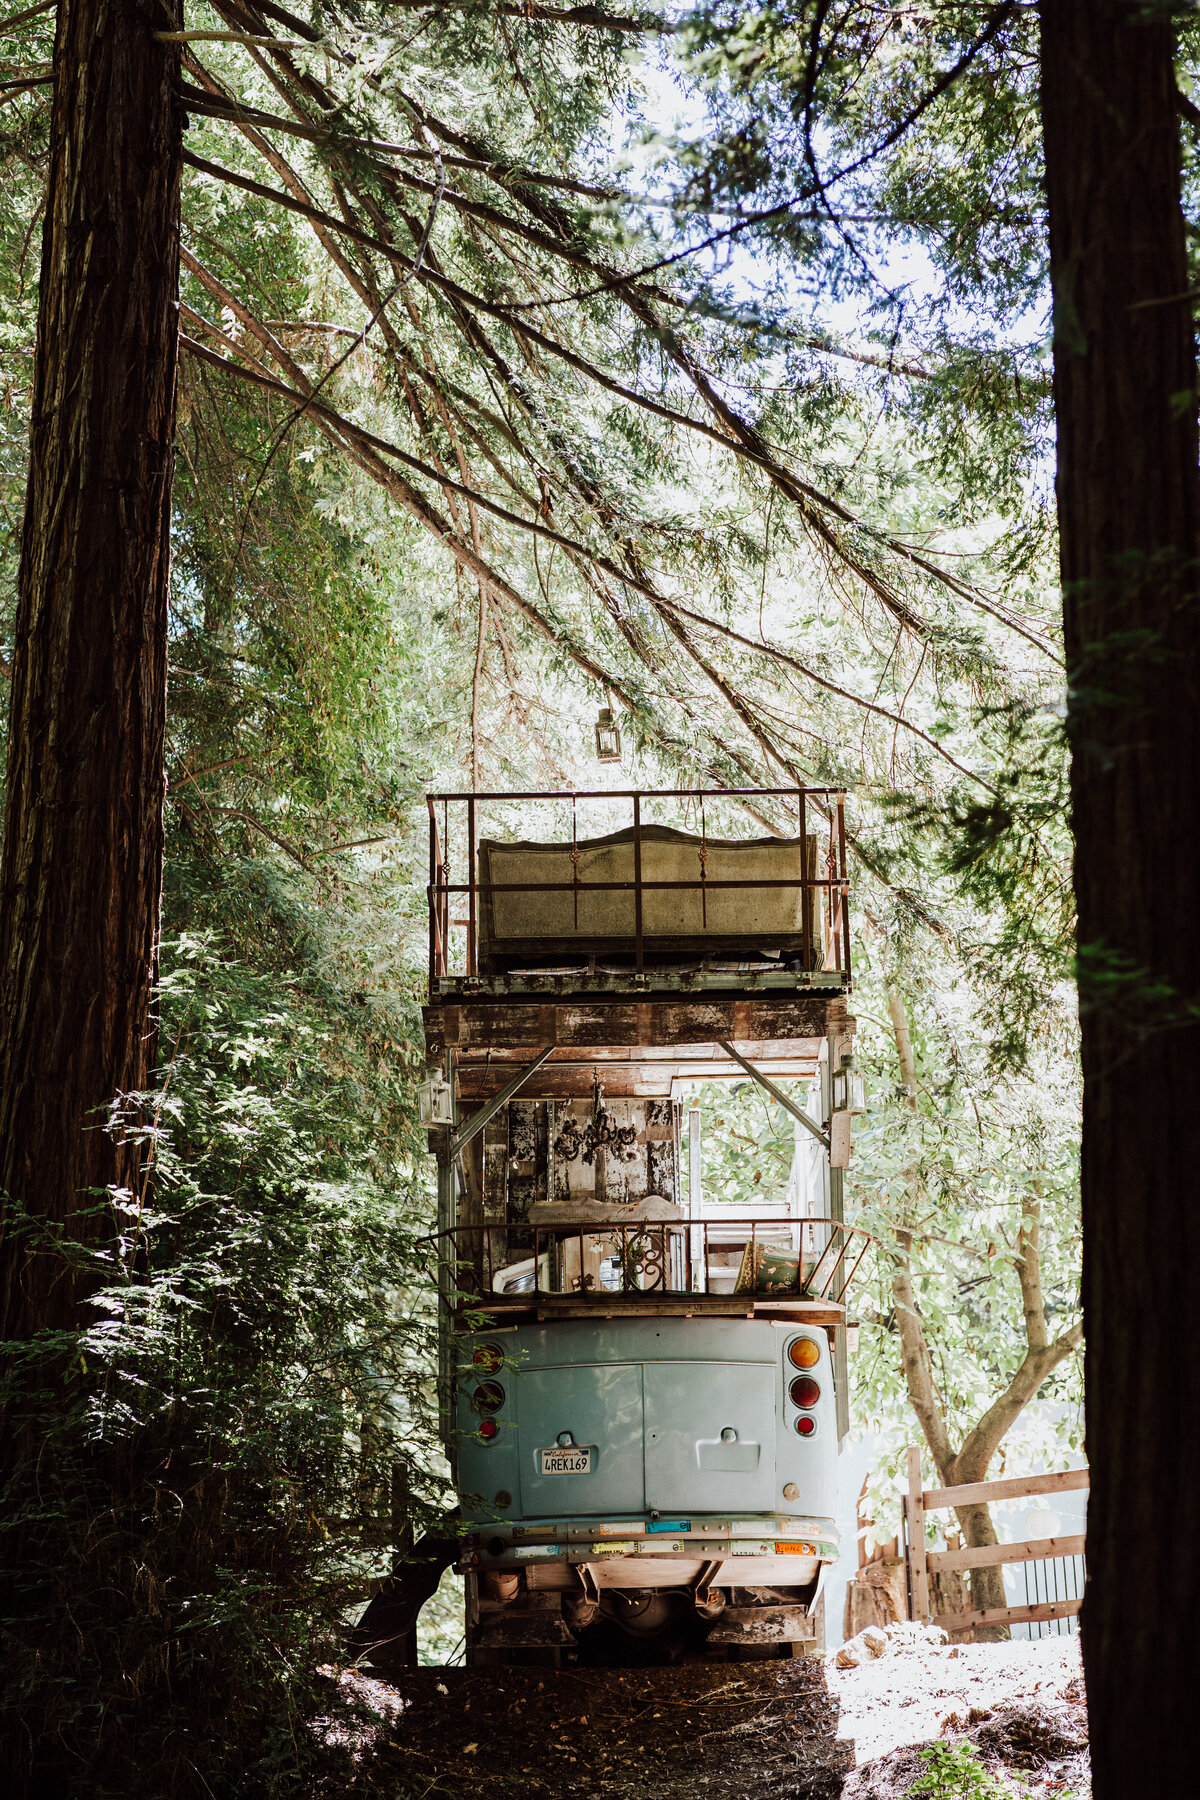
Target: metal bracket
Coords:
[[777, 1093], [475, 1124], [702, 1586], [587, 1581]]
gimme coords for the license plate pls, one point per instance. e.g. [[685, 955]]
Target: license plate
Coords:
[[566, 1462]]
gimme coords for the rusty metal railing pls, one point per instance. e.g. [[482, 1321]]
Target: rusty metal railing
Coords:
[[831, 887], [807, 1259]]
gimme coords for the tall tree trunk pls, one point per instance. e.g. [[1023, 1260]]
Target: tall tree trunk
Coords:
[[1129, 515], [81, 863]]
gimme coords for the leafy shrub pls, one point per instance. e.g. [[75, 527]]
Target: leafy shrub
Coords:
[[219, 1447], [954, 1772]]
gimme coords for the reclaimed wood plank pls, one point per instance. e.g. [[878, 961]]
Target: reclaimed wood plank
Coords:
[[582, 1309], [669, 1020], [915, 1512], [987, 1555], [820, 1315], [1008, 1615], [485, 1069], [808, 1016], [1016, 1487]]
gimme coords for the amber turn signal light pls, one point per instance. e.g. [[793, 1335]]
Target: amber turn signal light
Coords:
[[804, 1353]]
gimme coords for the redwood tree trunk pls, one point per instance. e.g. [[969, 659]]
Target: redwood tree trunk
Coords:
[[81, 862], [1129, 514]]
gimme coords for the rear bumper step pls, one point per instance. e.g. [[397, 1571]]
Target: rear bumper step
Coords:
[[763, 1625]]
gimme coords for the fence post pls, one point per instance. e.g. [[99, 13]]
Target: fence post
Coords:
[[914, 1510]]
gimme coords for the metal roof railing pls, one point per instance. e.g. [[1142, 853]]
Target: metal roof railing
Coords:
[[824, 896]]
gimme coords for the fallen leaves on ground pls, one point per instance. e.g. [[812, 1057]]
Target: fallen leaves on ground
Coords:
[[747, 1731]]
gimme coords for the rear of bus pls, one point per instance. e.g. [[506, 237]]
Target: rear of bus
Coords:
[[667, 1483]]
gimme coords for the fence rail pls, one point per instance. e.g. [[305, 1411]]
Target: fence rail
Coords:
[[922, 1562]]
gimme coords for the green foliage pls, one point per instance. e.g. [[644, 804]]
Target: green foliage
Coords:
[[953, 1178], [955, 1772], [221, 1438], [224, 1442], [748, 1141]]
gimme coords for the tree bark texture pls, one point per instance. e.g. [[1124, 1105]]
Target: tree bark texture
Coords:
[[1129, 515], [81, 861]]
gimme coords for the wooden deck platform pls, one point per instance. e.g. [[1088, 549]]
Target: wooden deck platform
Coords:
[[641, 1042], [658, 1306]]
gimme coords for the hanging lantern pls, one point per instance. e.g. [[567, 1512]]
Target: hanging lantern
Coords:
[[436, 1101], [849, 1089], [608, 738]]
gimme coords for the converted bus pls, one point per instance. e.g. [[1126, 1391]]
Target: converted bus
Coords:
[[643, 1388]]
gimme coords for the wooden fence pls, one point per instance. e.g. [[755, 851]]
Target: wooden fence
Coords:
[[922, 1562]]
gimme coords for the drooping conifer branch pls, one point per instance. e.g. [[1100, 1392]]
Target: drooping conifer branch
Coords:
[[816, 509]]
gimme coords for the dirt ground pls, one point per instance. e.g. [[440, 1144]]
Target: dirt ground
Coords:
[[748, 1731], [1020, 1705]]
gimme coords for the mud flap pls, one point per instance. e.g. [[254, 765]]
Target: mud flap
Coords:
[[763, 1625], [538, 1625]]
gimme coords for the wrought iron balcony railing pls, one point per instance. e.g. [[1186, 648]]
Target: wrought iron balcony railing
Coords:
[[594, 1262]]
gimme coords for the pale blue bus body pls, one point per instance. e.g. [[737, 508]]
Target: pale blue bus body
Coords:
[[694, 1457]]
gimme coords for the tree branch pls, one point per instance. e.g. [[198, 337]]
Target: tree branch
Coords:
[[775, 654], [415, 503], [915, 1359], [898, 1014], [737, 435], [230, 762], [31, 12], [981, 1443], [1029, 1272], [590, 17]]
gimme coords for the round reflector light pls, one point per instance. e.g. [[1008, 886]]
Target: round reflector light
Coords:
[[489, 1357], [804, 1391], [488, 1397], [488, 1428], [804, 1353], [806, 1424]]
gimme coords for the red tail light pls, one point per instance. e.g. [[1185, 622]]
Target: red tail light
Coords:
[[488, 1397], [804, 1391], [488, 1429], [806, 1424]]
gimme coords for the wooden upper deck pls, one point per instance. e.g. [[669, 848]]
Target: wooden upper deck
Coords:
[[578, 985], [639, 953]]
